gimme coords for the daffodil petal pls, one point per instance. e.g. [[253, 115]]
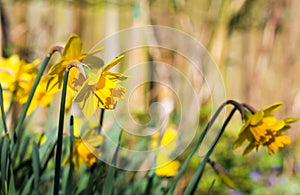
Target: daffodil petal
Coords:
[[291, 120], [113, 63], [73, 47], [272, 108]]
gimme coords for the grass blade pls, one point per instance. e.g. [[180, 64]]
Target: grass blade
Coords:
[[11, 188], [109, 180], [27, 188], [4, 160], [191, 188], [194, 150], [36, 167], [211, 187], [3, 117], [30, 96]]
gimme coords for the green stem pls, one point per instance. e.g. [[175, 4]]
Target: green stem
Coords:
[[3, 116], [36, 82], [200, 140], [70, 176], [194, 150], [101, 120], [60, 134], [191, 188]]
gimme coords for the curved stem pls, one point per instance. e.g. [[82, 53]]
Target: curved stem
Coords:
[[249, 107], [199, 172], [195, 148], [238, 106], [200, 140]]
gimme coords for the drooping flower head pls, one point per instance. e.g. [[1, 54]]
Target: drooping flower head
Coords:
[[101, 89], [263, 129]]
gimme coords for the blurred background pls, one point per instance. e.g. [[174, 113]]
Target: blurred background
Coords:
[[254, 43]]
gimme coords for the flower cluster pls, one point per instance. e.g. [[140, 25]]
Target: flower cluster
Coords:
[[17, 77], [90, 84]]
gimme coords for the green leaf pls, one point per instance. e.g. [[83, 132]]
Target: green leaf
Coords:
[[30, 96], [110, 180], [36, 166], [27, 188], [211, 187], [192, 186], [12, 188], [4, 161], [195, 148], [2, 111]]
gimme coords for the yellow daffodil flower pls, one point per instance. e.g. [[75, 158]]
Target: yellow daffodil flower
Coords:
[[165, 167], [85, 149], [41, 96], [72, 53], [17, 76], [101, 89], [263, 129]]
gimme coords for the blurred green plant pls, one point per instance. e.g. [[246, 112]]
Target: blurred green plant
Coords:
[[31, 165]]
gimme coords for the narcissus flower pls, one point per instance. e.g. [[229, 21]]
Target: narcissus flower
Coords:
[[263, 129], [72, 53], [165, 166], [101, 89], [169, 168], [41, 97], [86, 149], [17, 76]]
